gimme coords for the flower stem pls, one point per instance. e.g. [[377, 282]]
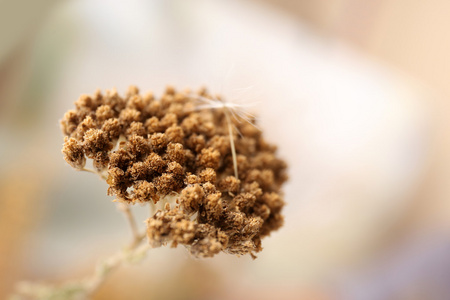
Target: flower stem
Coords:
[[84, 289], [137, 237]]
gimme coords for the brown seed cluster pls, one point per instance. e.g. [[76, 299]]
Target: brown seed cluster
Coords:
[[170, 148]]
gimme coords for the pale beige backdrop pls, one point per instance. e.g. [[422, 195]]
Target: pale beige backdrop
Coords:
[[354, 92]]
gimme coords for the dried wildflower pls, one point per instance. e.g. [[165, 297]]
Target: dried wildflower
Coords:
[[73, 153], [226, 186]]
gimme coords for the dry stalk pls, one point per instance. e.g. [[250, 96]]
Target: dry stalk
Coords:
[[84, 289]]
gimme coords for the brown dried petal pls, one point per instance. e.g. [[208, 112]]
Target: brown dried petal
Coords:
[[209, 158], [170, 226], [155, 163], [145, 191], [136, 128], [113, 128], [158, 141], [69, 122], [208, 175], [175, 152], [174, 134], [152, 125], [104, 112], [95, 141], [73, 153], [191, 197]]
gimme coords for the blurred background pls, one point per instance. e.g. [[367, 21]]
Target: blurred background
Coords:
[[355, 94]]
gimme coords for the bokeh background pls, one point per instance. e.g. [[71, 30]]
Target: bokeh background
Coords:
[[355, 93]]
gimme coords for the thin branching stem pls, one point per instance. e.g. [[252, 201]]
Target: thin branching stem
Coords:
[[107, 266], [84, 289], [131, 221], [89, 170], [102, 175]]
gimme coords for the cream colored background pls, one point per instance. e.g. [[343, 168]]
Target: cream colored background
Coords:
[[354, 92]]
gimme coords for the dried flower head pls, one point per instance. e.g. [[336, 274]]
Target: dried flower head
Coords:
[[223, 177]]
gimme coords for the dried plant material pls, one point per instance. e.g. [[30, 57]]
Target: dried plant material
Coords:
[[212, 160], [73, 153]]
